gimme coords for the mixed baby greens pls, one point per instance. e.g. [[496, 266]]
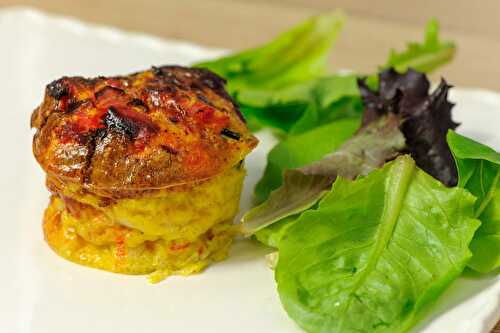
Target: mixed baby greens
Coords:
[[373, 203]]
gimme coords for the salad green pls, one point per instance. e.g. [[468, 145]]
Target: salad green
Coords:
[[330, 98], [284, 85], [423, 57], [376, 252], [303, 187], [298, 150], [479, 172], [272, 83], [400, 117], [272, 234], [374, 204], [293, 57]]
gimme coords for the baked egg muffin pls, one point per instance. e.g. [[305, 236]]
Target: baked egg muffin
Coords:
[[145, 171]]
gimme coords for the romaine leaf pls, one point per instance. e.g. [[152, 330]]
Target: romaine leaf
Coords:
[[373, 145], [298, 150], [376, 253], [279, 117], [301, 107], [426, 118], [273, 83], [331, 98], [271, 236], [295, 56], [423, 57], [294, 93], [479, 172]]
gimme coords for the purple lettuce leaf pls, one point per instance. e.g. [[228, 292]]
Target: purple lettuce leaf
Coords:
[[425, 118]]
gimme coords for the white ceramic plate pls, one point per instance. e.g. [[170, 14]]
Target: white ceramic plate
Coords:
[[41, 292]]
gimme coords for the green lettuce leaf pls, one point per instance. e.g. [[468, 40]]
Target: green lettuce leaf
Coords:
[[298, 150], [298, 55], [317, 103], [331, 98], [423, 57], [271, 236], [273, 83], [377, 252], [479, 172], [279, 117]]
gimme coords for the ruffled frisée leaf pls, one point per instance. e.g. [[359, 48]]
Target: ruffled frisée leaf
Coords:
[[377, 142], [423, 57], [376, 253], [479, 172]]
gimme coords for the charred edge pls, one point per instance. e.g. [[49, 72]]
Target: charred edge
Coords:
[[230, 134], [122, 125], [168, 89], [73, 105], [93, 139], [208, 77], [169, 149], [157, 71], [57, 89], [202, 78], [213, 81], [99, 93], [168, 69], [137, 102], [195, 86], [169, 73], [217, 84], [204, 99]]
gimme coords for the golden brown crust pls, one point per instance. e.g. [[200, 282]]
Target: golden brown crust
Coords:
[[152, 129]]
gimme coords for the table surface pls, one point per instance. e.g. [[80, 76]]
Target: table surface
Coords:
[[369, 33]]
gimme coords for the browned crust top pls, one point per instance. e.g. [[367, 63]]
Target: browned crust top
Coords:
[[157, 128]]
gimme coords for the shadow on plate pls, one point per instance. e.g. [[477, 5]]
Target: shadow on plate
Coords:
[[247, 250]]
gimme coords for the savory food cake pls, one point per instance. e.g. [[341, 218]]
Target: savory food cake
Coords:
[[145, 170]]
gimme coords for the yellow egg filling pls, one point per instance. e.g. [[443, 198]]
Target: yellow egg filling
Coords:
[[177, 230]]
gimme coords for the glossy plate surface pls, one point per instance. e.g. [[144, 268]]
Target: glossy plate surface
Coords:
[[41, 292]]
